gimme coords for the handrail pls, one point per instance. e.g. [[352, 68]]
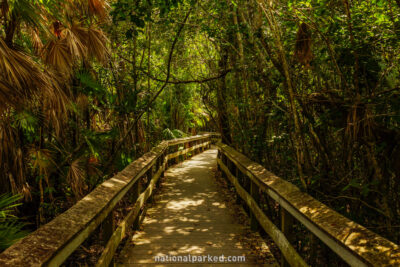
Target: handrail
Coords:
[[53, 243], [354, 243]]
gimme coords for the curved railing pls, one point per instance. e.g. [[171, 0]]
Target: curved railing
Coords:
[[54, 242], [355, 244]]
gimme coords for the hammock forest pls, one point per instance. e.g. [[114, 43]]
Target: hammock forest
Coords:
[[309, 89]]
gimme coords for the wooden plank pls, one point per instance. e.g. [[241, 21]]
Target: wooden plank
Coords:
[[279, 238], [112, 245], [287, 230], [354, 243], [198, 221], [187, 150], [255, 194], [52, 243]]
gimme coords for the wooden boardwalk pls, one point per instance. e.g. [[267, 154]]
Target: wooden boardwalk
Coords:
[[190, 217]]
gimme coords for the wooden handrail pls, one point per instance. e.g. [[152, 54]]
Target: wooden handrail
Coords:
[[352, 242], [54, 242]]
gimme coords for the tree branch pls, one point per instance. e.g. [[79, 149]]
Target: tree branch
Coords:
[[171, 53], [219, 76]]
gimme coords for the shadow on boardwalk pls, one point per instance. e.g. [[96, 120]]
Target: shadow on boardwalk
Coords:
[[191, 218]]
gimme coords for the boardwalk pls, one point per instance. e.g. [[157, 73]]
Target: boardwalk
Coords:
[[195, 214], [191, 217]]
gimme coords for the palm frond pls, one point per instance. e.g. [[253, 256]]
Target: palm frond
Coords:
[[57, 54], [26, 79], [99, 8], [7, 204], [36, 41], [10, 233], [10, 229], [76, 48], [76, 177], [41, 159], [9, 97], [97, 44]]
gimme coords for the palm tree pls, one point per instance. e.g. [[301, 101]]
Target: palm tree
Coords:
[[10, 227], [41, 47]]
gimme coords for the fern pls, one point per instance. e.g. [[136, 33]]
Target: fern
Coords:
[[168, 134], [179, 134], [11, 230]]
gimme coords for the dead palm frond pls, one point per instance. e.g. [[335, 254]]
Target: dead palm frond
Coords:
[[41, 160], [97, 44], [9, 97], [11, 156], [99, 8], [76, 48], [94, 39], [18, 69], [57, 54], [22, 79], [76, 177], [36, 41]]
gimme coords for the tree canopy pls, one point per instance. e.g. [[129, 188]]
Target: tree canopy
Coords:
[[307, 88]]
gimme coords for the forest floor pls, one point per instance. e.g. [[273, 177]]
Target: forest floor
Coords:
[[191, 216]]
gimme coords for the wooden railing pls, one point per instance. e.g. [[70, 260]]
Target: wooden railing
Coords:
[[54, 242], [352, 242]]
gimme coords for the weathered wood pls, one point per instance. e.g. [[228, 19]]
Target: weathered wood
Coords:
[[107, 227], [279, 238], [354, 243], [179, 141], [197, 222], [287, 230], [150, 174], [255, 194], [52, 243], [187, 150], [112, 245], [135, 195], [239, 178]]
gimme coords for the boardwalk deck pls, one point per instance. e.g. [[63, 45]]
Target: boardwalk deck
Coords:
[[190, 217]]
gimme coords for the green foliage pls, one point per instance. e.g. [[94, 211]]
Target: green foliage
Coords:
[[11, 230], [168, 134], [27, 122]]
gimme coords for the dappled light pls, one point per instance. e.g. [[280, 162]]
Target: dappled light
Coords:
[[189, 217], [131, 131]]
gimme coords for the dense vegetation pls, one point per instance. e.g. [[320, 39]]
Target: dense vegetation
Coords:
[[308, 88]]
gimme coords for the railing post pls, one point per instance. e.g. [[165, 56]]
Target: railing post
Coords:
[[246, 185], [108, 228], [287, 230], [158, 167], [224, 160], [176, 149], [219, 156], [135, 195], [184, 155], [162, 163], [238, 176], [255, 193], [150, 174]]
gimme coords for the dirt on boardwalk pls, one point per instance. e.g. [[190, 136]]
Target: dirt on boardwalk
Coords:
[[194, 221]]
